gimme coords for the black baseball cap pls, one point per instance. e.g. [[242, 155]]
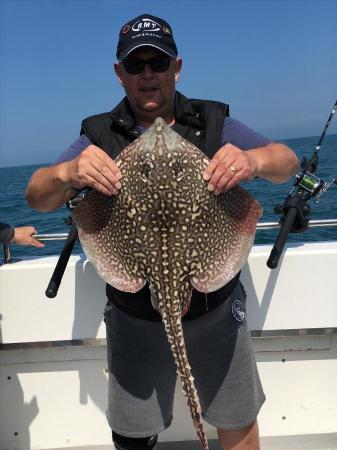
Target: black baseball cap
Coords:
[[146, 30]]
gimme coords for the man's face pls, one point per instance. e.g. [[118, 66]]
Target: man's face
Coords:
[[151, 93]]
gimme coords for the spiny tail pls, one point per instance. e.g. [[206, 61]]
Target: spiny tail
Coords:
[[174, 331]]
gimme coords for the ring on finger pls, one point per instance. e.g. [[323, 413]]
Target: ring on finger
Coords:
[[233, 170]]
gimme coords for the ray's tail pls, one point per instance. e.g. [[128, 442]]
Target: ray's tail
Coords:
[[174, 331]]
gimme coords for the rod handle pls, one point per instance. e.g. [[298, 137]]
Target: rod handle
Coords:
[[56, 278], [277, 249]]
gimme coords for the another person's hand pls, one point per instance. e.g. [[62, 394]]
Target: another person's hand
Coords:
[[24, 236], [228, 167], [94, 168]]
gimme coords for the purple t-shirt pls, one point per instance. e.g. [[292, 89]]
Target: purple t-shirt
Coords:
[[233, 132]]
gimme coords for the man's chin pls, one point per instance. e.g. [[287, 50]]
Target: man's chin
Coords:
[[150, 106]]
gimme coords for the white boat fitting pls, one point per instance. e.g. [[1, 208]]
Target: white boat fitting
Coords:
[[53, 389]]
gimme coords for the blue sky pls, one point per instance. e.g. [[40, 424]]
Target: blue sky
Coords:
[[274, 62]]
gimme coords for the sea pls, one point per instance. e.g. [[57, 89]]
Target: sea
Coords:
[[14, 208]]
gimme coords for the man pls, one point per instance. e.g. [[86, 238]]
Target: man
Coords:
[[142, 373], [18, 235]]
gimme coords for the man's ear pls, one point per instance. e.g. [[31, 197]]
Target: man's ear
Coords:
[[178, 65], [118, 72]]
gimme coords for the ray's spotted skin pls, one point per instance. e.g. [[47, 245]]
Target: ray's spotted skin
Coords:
[[166, 228]]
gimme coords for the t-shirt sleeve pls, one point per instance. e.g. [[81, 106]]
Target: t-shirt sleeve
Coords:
[[236, 133], [74, 150]]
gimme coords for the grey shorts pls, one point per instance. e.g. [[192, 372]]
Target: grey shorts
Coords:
[[142, 373]]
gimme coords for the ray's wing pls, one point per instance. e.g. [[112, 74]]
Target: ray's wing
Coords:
[[98, 222], [230, 236]]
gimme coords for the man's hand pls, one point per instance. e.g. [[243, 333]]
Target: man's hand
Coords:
[[51, 187], [24, 236], [228, 167], [94, 168]]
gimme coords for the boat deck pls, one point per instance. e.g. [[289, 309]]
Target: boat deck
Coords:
[[326, 441]]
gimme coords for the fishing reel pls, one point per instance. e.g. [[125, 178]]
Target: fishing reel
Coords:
[[71, 205], [306, 186], [310, 184]]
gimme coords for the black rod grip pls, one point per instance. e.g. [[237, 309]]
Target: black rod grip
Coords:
[[62, 262], [287, 225]]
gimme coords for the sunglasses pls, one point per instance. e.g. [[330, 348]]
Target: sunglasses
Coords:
[[135, 66]]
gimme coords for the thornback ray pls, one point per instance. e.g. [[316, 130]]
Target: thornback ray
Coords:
[[166, 228]]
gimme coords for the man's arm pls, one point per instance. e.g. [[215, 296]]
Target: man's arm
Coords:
[[275, 162], [51, 187], [18, 235], [48, 188]]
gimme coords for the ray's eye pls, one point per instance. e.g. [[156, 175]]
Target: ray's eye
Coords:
[[146, 170], [177, 169]]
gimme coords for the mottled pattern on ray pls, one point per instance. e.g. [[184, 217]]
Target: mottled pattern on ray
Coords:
[[166, 228]]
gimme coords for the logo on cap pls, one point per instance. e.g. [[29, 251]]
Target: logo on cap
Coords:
[[126, 29], [146, 24], [166, 30]]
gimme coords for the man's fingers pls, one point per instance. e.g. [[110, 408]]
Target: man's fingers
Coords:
[[94, 168], [99, 183], [36, 243], [225, 157], [213, 165], [219, 157], [220, 171], [111, 175], [104, 163], [104, 177], [228, 167], [112, 165], [231, 183], [107, 168], [227, 181]]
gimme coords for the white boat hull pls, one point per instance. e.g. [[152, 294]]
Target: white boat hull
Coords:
[[53, 366]]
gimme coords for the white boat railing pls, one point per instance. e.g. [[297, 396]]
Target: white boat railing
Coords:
[[312, 224], [260, 227]]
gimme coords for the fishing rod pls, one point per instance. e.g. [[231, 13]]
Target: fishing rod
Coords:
[[56, 278], [295, 209]]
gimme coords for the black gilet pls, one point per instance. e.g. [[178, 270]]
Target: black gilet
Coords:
[[198, 121]]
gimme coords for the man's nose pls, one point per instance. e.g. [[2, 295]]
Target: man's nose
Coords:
[[147, 71]]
